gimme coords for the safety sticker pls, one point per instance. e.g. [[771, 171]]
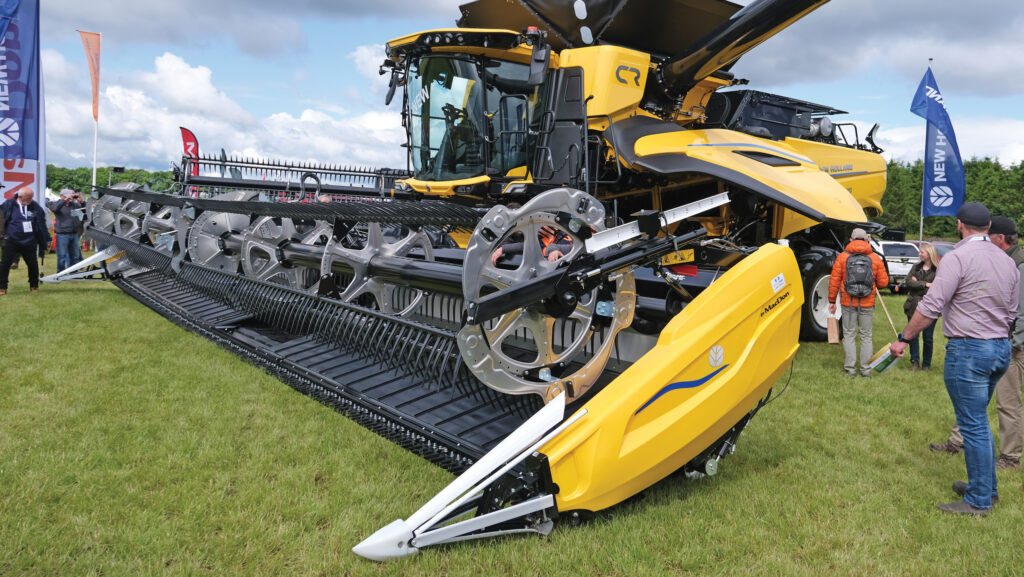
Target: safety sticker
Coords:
[[778, 282]]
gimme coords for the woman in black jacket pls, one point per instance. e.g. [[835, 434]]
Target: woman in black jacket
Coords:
[[919, 280]]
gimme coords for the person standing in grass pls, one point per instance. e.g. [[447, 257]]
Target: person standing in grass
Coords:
[[1003, 233], [67, 227], [919, 280], [976, 290], [855, 274], [23, 229]]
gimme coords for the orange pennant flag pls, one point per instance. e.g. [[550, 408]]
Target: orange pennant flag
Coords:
[[91, 41]]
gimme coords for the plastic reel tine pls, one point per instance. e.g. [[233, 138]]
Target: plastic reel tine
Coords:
[[385, 341], [349, 330], [329, 322], [379, 338], [404, 343], [304, 318], [436, 352], [277, 309], [343, 329], [323, 319]]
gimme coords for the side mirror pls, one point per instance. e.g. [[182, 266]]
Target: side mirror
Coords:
[[392, 85], [539, 63], [870, 138], [395, 79]]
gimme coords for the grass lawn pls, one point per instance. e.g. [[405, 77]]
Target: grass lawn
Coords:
[[131, 447]]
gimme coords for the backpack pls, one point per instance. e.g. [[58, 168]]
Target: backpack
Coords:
[[860, 276]]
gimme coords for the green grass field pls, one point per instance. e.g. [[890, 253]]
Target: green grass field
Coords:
[[131, 447]]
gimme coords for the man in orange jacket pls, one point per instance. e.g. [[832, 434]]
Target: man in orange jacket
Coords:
[[856, 273]]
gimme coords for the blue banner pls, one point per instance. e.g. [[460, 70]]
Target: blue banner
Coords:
[[944, 185], [20, 90]]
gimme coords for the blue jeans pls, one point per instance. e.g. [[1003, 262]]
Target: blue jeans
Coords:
[[69, 250], [925, 359], [973, 367]]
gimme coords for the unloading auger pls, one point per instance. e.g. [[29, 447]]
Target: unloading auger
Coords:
[[590, 277]]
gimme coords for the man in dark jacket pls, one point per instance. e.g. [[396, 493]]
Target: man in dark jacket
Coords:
[[24, 234], [69, 242]]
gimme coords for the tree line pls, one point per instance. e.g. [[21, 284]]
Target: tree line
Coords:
[[1000, 188], [80, 179]]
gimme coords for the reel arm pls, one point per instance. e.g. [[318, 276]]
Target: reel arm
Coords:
[[583, 274]]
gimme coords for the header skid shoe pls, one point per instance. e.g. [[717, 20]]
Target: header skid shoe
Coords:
[[434, 523]]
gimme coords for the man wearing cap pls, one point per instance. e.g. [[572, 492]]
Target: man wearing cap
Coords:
[[976, 290], [69, 242], [1003, 234], [855, 280]]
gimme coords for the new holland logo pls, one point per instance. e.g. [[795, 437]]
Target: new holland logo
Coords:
[[940, 196], [716, 357], [10, 132]]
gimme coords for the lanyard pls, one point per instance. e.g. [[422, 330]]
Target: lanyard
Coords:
[[24, 210]]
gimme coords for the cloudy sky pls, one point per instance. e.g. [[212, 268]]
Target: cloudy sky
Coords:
[[303, 84]]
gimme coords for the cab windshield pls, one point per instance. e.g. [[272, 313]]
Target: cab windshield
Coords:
[[467, 118]]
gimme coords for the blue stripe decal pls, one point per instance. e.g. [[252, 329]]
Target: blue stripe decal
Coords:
[[680, 385], [848, 173], [768, 148]]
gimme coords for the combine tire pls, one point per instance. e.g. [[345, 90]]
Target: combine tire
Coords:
[[815, 268]]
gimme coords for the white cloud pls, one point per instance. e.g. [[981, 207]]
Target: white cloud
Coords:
[[976, 45], [977, 137], [264, 28], [139, 120]]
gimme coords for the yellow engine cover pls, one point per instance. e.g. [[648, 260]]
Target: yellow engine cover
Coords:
[[614, 78], [709, 368]]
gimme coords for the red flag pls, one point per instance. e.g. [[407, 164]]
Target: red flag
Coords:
[[191, 144], [91, 41]]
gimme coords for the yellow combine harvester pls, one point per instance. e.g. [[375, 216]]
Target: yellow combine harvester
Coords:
[[593, 272]]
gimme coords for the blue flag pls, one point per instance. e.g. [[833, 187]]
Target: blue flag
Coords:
[[20, 89], [944, 183]]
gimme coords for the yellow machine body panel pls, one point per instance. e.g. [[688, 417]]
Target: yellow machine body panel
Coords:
[[447, 187], [711, 365], [613, 78], [798, 182], [861, 172]]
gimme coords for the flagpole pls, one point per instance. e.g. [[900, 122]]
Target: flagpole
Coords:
[[920, 233], [95, 140]]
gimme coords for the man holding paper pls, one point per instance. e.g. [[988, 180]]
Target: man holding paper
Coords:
[[976, 292]]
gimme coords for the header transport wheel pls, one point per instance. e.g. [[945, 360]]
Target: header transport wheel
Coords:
[[561, 343]]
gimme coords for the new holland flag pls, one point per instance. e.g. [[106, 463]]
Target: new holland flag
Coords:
[[22, 117], [943, 170]]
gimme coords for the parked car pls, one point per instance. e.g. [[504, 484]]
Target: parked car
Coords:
[[900, 258], [941, 246]]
